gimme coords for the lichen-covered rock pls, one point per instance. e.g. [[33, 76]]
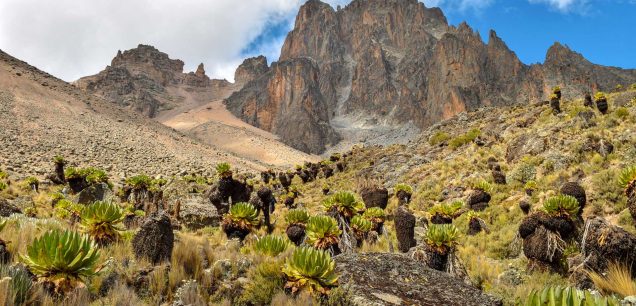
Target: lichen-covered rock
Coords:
[[8, 209], [195, 212], [525, 144], [604, 243], [395, 279], [154, 240], [95, 192]]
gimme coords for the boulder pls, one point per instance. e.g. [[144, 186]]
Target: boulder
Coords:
[[155, 239], [375, 197], [93, 193], [196, 212], [525, 144], [8, 209], [603, 243], [395, 279]]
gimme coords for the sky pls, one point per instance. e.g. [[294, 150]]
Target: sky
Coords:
[[75, 38]]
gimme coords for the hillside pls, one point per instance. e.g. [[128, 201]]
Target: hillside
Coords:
[[43, 116], [465, 207], [147, 81]]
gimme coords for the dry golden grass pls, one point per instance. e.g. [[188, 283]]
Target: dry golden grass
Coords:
[[618, 280]]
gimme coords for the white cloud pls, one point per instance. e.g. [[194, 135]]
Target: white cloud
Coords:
[[565, 6], [74, 38]]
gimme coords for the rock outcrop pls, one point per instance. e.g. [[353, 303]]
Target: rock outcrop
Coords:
[[391, 63], [394, 279], [155, 240], [251, 69], [142, 78], [288, 102]]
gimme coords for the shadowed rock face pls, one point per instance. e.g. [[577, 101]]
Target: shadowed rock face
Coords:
[[251, 69], [394, 279], [394, 62], [288, 102]]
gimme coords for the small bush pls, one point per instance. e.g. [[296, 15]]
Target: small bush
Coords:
[[224, 170], [462, 140], [271, 245], [266, 281], [438, 138], [621, 113], [524, 173]]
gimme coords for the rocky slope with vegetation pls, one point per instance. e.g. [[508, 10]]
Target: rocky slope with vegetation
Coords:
[[531, 204]]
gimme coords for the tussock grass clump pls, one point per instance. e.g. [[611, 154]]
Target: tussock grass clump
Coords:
[[16, 289], [464, 139], [618, 280]]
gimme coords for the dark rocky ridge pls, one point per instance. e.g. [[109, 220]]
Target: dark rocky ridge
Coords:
[[394, 62]]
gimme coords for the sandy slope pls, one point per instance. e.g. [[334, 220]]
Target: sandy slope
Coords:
[[41, 116], [214, 125]]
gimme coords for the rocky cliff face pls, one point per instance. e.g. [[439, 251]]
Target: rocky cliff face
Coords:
[[139, 79], [287, 101], [390, 62]]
